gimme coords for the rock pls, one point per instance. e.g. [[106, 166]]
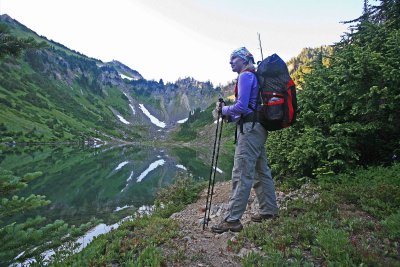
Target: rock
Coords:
[[201, 221], [218, 213], [175, 215], [244, 252], [187, 239]]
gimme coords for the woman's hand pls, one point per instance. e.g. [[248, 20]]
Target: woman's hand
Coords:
[[218, 110], [219, 106]]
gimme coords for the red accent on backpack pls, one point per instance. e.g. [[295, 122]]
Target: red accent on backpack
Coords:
[[278, 110], [291, 91]]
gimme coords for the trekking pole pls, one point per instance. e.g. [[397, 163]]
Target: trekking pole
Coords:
[[215, 172], [211, 181]]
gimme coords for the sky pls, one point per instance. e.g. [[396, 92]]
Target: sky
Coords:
[[172, 39]]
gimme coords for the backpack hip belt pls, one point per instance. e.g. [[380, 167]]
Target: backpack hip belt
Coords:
[[251, 117]]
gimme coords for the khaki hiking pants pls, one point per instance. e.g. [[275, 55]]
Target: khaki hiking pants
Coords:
[[250, 169]]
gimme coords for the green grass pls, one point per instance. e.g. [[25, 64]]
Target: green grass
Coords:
[[133, 243], [177, 196], [351, 220], [137, 242]]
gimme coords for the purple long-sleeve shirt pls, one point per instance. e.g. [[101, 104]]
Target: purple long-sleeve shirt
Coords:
[[247, 94]]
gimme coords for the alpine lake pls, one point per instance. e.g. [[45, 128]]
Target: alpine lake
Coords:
[[107, 182]]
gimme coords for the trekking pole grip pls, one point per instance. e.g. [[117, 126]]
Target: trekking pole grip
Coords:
[[220, 100]]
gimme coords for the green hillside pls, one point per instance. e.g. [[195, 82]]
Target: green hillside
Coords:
[[54, 94], [37, 108], [302, 64]]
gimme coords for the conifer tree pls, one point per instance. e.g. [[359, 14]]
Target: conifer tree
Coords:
[[349, 107], [11, 45], [28, 239]]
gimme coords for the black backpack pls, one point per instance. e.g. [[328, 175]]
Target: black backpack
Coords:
[[277, 94]]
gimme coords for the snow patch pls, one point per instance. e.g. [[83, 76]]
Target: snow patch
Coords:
[[122, 164], [83, 241], [145, 210], [122, 119], [151, 167], [125, 77], [122, 208], [153, 119], [96, 231], [130, 177], [133, 109], [181, 167], [218, 170], [183, 120]]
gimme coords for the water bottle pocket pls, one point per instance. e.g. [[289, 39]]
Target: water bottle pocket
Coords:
[[275, 113], [274, 108]]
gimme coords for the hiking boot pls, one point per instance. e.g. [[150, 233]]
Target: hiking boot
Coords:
[[225, 226], [260, 217]]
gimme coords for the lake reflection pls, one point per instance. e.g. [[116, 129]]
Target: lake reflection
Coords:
[[107, 182]]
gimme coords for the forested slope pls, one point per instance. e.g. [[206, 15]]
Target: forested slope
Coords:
[[348, 108]]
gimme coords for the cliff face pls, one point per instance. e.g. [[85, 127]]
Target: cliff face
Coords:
[[172, 102]]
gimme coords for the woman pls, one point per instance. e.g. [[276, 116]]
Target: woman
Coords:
[[250, 167]]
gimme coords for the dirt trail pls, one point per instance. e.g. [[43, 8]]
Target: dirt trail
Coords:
[[204, 248]]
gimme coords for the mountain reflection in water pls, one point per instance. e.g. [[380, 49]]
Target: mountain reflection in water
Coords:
[[108, 182]]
